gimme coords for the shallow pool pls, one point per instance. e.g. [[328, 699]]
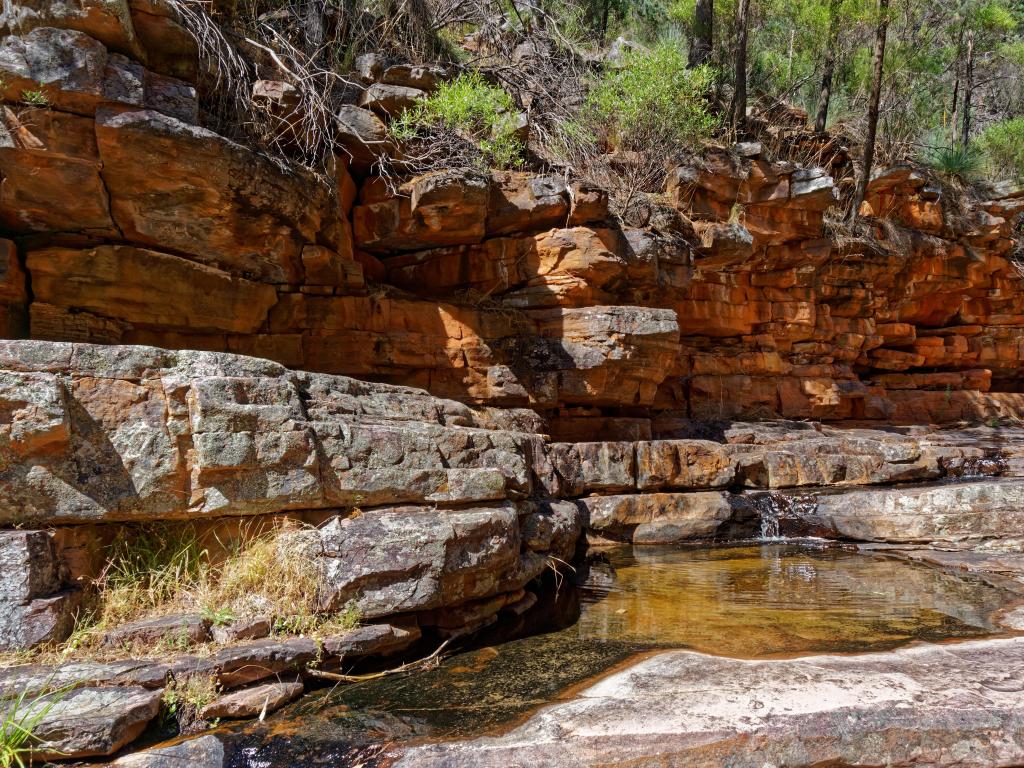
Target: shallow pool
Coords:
[[745, 601]]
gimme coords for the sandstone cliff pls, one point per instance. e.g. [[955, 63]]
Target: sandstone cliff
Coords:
[[451, 380]]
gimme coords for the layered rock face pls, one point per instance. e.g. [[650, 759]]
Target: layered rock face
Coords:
[[134, 225], [98, 436], [425, 506]]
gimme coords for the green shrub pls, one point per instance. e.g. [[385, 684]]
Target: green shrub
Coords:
[[1003, 146], [469, 106], [653, 100]]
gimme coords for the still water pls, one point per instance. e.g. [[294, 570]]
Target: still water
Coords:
[[744, 601]]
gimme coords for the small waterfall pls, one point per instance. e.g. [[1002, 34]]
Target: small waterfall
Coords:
[[977, 467], [777, 511], [768, 508]]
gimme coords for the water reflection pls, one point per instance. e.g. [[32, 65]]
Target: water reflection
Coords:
[[779, 599], [741, 601]]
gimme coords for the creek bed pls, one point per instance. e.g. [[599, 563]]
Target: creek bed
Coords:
[[751, 601]]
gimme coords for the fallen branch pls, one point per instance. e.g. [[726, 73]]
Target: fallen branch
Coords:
[[385, 673]]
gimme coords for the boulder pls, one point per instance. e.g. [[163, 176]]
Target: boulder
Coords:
[[522, 202], [423, 77], [72, 72], [228, 207], [594, 467], [240, 629], [371, 640], [437, 209], [682, 465], [406, 559], [389, 100], [657, 518], [961, 515], [177, 631], [361, 135], [51, 174]]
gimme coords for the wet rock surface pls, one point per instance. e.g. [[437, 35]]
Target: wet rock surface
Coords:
[[927, 704]]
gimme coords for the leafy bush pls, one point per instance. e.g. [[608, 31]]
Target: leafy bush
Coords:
[[653, 98], [469, 106], [1003, 145]]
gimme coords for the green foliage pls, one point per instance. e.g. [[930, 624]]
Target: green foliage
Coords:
[[219, 616], [34, 98], [473, 108], [18, 723], [1003, 146], [654, 96], [959, 161]]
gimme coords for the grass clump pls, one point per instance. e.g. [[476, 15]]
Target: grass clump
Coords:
[[960, 162], [19, 720], [171, 568], [185, 699], [481, 114]]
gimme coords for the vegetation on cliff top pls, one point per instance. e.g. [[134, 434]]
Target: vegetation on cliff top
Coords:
[[601, 81]]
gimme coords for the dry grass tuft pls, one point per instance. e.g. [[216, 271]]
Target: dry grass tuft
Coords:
[[161, 569]]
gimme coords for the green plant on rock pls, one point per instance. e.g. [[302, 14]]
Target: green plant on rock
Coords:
[[19, 720], [471, 108], [219, 616], [185, 698], [35, 98]]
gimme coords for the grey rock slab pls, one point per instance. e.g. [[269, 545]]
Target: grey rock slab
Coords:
[[163, 631], [28, 566], [36, 678], [961, 515], [91, 722], [242, 629], [658, 518], [410, 558], [203, 752], [937, 705], [371, 640], [240, 665]]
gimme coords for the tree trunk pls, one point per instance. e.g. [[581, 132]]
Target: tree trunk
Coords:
[[703, 33], [875, 99], [604, 20], [954, 117], [830, 68], [739, 97], [965, 134]]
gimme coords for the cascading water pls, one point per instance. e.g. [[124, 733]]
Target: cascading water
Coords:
[[775, 509], [768, 508]]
